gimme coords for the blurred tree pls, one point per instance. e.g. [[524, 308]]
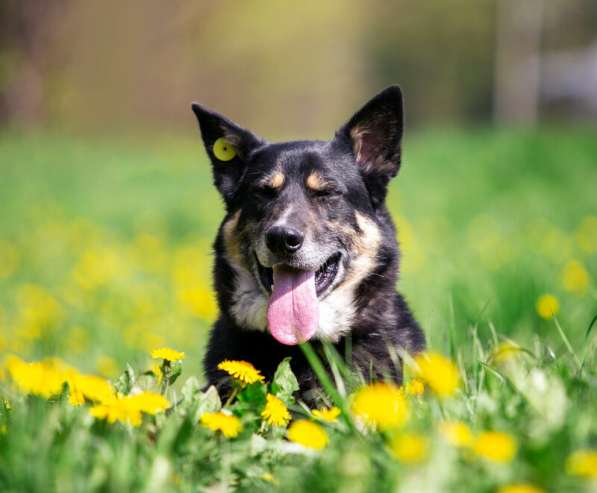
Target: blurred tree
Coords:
[[517, 60], [26, 26], [282, 68], [441, 52]]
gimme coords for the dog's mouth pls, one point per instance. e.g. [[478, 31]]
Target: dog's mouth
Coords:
[[293, 306], [324, 276]]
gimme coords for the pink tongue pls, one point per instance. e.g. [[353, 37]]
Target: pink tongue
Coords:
[[293, 311]]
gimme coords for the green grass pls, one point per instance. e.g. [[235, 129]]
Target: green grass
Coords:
[[104, 255]]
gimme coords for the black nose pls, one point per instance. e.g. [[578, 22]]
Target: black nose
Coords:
[[283, 240]]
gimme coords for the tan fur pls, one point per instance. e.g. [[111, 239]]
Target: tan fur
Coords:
[[231, 238], [248, 305], [336, 311], [316, 182], [277, 180]]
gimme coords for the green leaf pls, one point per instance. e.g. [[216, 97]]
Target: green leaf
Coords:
[[190, 390], [126, 381], [208, 401], [253, 395], [284, 383], [173, 372]]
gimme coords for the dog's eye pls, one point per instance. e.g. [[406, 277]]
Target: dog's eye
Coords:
[[326, 192], [265, 192]]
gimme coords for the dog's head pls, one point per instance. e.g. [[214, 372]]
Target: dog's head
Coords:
[[301, 231]]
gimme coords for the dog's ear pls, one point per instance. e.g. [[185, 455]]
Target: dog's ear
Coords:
[[228, 147], [374, 134]]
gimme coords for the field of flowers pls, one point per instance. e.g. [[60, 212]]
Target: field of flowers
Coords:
[[105, 304]]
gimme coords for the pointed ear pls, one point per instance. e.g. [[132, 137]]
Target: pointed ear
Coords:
[[374, 134], [228, 146]]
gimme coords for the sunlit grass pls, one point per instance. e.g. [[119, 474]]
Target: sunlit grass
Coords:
[[105, 257]]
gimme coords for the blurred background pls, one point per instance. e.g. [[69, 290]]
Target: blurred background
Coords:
[[107, 205]]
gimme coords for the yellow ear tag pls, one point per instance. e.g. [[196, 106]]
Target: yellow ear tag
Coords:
[[223, 150]]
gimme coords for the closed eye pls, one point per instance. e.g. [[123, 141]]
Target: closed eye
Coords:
[[327, 192], [265, 191]]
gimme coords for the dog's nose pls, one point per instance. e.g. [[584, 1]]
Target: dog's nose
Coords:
[[283, 240]]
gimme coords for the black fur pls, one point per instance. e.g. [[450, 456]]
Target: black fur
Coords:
[[357, 166]]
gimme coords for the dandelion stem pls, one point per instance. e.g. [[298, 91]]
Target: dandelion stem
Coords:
[[231, 397]]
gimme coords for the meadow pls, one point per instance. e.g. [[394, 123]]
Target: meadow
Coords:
[[105, 257]]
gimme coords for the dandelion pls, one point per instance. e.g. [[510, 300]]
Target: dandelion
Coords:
[[381, 405], [328, 414], [415, 387], [456, 433], [575, 277], [547, 306], [87, 387], [307, 434], [42, 378], [243, 371], [582, 463], [128, 409], [230, 426], [149, 402], [167, 354], [495, 446], [520, 488], [438, 373], [117, 408], [504, 352], [275, 412], [410, 448], [269, 478]]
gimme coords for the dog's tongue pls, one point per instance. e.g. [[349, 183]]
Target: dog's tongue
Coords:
[[293, 311]]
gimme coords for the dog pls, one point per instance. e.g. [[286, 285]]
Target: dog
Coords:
[[307, 250]]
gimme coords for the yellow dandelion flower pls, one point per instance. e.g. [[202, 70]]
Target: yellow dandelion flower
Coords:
[[438, 373], [575, 277], [456, 433], [381, 405], [149, 402], [520, 488], [307, 434], [582, 463], [547, 306], [243, 371], [268, 477], [42, 378], [117, 408], [415, 387], [329, 415], [167, 354], [495, 446], [229, 425], [275, 412], [410, 448], [128, 409], [504, 352], [87, 387]]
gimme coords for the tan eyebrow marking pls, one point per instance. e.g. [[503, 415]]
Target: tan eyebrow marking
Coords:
[[316, 182], [273, 180], [277, 180]]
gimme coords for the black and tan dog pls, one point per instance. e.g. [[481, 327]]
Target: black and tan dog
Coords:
[[307, 250]]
